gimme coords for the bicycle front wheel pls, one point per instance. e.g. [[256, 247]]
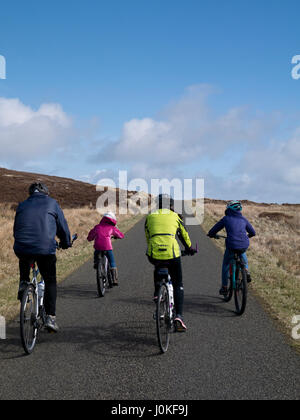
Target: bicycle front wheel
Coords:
[[163, 321], [28, 319], [241, 291], [101, 278]]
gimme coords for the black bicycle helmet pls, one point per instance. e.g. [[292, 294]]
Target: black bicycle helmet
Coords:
[[165, 202], [38, 187]]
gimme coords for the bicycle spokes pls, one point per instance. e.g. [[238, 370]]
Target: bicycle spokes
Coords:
[[241, 291], [101, 279], [163, 319], [29, 319]]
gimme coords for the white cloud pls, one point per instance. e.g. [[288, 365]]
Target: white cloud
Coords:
[[242, 153], [266, 173], [94, 177], [274, 169], [187, 131], [28, 134]]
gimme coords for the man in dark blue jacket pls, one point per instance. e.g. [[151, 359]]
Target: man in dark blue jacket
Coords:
[[38, 221], [239, 230]]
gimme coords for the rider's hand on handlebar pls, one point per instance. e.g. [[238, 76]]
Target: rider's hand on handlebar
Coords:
[[191, 251], [213, 237]]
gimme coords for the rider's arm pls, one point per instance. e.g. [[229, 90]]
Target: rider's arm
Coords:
[[183, 235], [147, 232], [92, 235], [250, 229], [219, 226], [118, 234], [16, 221], [63, 231]]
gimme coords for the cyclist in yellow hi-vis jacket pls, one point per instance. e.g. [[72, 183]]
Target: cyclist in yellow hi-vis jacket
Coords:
[[161, 228]]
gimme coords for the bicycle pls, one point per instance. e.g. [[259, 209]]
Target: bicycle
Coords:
[[32, 313], [238, 284], [103, 274], [165, 307]]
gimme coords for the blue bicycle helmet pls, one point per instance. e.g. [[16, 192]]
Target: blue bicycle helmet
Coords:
[[235, 205]]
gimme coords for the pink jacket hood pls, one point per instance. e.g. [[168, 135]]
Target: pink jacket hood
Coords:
[[108, 220]]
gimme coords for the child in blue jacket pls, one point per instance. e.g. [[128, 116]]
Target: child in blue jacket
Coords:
[[239, 230]]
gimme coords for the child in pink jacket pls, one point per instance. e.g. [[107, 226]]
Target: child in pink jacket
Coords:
[[101, 235]]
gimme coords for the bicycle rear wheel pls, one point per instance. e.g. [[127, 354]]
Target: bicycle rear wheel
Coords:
[[101, 277], [28, 319], [241, 292], [163, 322]]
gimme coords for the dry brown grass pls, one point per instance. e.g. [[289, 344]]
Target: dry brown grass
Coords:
[[274, 256], [80, 221]]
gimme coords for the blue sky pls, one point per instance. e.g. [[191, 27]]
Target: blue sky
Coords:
[[92, 81]]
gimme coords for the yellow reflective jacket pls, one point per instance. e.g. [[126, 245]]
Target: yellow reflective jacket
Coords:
[[161, 229]]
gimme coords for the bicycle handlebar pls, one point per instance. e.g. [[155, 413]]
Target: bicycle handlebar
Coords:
[[74, 238], [225, 237], [220, 237]]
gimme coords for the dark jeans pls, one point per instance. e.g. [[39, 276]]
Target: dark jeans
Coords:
[[175, 271], [47, 267], [110, 257]]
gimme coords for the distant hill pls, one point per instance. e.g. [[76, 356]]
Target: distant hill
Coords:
[[68, 192], [249, 203]]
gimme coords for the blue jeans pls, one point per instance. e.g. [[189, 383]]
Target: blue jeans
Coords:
[[228, 257], [110, 257]]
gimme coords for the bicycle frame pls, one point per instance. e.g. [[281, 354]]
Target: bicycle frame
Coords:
[[165, 303], [104, 257], [103, 275], [165, 278], [36, 317], [39, 301], [235, 265]]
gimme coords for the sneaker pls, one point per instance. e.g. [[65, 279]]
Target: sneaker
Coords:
[[179, 324], [223, 291], [115, 276], [51, 324]]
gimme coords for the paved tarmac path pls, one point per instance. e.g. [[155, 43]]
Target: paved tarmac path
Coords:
[[107, 348]]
